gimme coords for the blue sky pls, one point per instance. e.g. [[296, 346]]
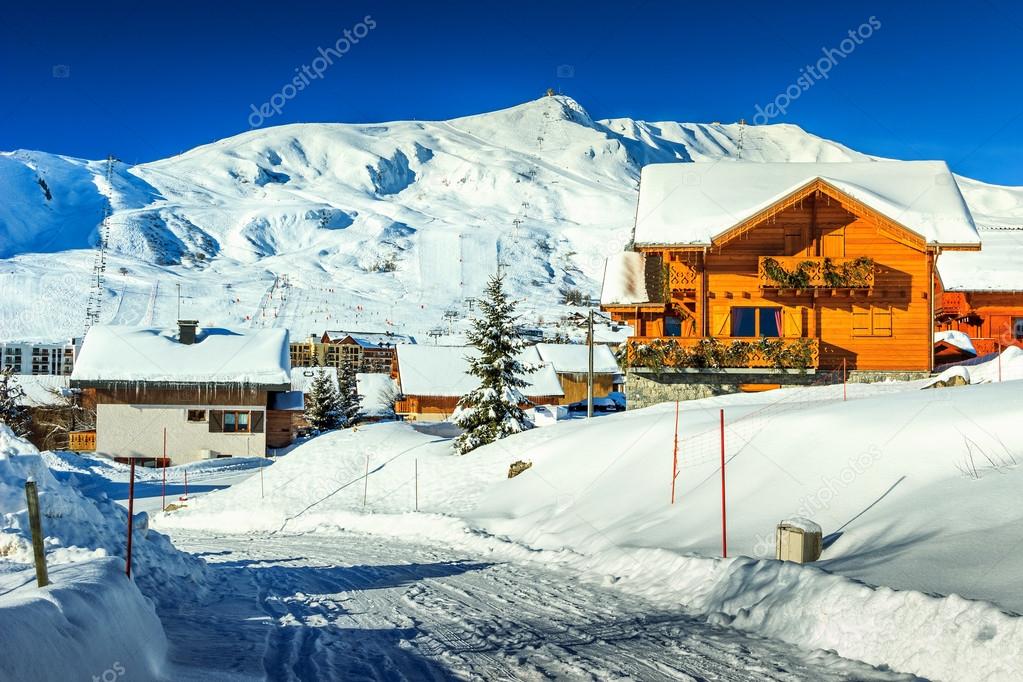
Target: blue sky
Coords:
[[146, 80]]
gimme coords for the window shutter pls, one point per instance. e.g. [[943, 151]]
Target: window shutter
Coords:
[[216, 421], [861, 322], [793, 323], [722, 321], [882, 321], [257, 422]]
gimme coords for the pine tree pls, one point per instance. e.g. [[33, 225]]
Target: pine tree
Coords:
[[323, 408], [492, 411], [350, 401], [12, 412]]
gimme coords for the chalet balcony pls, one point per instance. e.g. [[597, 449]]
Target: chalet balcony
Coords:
[[802, 273], [723, 352]]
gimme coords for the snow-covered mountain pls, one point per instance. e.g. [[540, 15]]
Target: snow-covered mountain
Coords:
[[372, 226]]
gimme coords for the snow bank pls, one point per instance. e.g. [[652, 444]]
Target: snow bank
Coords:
[[90, 623], [79, 528]]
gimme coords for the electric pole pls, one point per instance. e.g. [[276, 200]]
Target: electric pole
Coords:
[[589, 371]]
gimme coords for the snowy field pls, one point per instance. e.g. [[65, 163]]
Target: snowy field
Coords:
[[918, 494]]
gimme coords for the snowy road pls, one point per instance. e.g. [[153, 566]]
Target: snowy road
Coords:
[[359, 607]]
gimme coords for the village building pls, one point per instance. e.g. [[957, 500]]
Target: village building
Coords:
[[210, 392], [39, 358], [746, 276], [431, 380], [981, 294], [372, 352], [571, 362]]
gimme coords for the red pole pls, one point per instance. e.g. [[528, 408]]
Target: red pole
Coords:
[[163, 493], [674, 457], [724, 524], [131, 515], [186, 485], [845, 393]]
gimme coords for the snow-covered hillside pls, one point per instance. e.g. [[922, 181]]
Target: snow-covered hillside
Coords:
[[374, 226]]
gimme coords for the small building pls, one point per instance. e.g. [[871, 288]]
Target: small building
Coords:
[[372, 352], [39, 358], [571, 363], [431, 379], [981, 294], [211, 391]]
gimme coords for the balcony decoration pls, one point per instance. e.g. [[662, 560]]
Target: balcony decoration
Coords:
[[810, 273], [854, 274], [660, 354]]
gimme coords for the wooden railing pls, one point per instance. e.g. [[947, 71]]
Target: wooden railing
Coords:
[[723, 352], [82, 441], [952, 304], [802, 272]]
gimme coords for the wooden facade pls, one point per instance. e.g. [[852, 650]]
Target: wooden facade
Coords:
[[441, 407], [992, 319], [880, 319], [575, 386]]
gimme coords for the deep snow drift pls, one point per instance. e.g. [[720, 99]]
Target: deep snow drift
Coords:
[[915, 488]]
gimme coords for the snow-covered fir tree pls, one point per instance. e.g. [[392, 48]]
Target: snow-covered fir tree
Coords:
[[323, 405], [492, 411], [349, 400], [12, 412]]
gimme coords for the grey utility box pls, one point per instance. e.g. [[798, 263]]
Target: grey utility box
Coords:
[[799, 540]]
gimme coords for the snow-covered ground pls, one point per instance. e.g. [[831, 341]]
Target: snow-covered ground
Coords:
[[915, 488]]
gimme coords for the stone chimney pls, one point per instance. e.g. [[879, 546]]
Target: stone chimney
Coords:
[[186, 331]]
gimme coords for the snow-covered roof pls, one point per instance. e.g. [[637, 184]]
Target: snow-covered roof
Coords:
[[370, 339], [573, 358], [443, 371], [997, 267], [956, 338], [134, 354], [624, 279], [692, 203], [39, 388], [376, 390]]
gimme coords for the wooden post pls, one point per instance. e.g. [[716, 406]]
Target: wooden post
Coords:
[[261, 494], [724, 524], [131, 515], [417, 484], [674, 457], [999, 362], [32, 497]]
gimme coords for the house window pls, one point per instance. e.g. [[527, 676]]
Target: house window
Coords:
[[196, 415], [756, 322], [872, 321], [236, 422], [1017, 328], [673, 326]]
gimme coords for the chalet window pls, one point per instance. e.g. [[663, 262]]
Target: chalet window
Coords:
[[196, 415], [1017, 328], [872, 321], [673, 326], [753, 322], [236, 421]]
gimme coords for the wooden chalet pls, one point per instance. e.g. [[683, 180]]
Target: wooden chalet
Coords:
[[787, 268], [571, 363], [981, 294], [172, 397], [431, 379]]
